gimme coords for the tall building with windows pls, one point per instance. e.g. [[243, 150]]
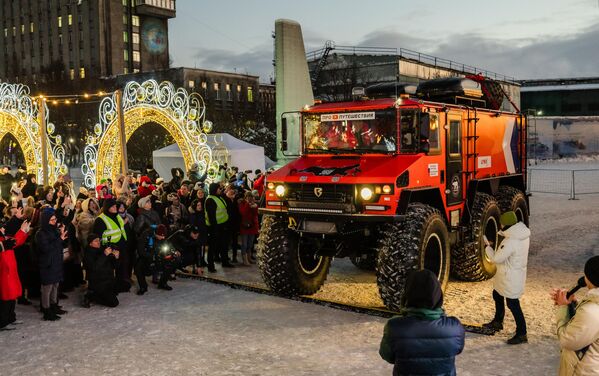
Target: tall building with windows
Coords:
[[75, 43]]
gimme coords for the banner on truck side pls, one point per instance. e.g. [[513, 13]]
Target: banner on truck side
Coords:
[[348, 116]]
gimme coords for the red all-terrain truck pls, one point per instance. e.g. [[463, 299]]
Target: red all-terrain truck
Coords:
[[396, 185]]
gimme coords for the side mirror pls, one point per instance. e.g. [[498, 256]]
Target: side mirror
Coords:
[[283, 134]]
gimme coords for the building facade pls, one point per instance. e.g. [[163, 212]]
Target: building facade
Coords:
[[57, 45], [562, 97], [563, 116], [231, 99]]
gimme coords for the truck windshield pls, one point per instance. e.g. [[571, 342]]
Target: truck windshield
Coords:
[[371, 132]]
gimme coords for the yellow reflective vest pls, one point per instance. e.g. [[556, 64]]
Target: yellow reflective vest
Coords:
[[222, 215], [113, 231]]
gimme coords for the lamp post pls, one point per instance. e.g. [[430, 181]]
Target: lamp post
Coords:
[[44, 142], [123, 136]]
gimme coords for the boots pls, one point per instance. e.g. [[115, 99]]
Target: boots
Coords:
[[58, 309], [49, 314], [494, 325]]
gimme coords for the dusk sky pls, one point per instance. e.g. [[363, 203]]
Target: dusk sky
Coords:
[[520, 38]]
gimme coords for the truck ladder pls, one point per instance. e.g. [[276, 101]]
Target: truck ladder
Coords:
[[470, 167]]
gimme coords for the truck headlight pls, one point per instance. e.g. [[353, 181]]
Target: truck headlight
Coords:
[[280, 190], [366, 193]]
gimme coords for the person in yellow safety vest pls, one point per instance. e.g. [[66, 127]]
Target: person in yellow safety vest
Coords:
[[111, 228], [216, 220]]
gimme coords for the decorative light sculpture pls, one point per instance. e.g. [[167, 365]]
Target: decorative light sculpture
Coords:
[[180, 113], [19, 116]]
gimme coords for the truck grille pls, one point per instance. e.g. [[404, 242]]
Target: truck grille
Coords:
[[323, 198], [321, 193]]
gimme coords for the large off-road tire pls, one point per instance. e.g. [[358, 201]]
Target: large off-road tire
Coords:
[[420, 241], [288, 264], [365, 261], [510, 198], [470, 261]]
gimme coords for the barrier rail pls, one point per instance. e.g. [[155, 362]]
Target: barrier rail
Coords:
[[571, 182]]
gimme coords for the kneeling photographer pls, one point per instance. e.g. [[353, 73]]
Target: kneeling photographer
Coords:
[[100, 265], [188, 243]]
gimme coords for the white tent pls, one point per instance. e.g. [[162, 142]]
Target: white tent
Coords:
[[225, 149]]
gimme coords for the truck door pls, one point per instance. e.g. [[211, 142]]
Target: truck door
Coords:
[[454, 181]]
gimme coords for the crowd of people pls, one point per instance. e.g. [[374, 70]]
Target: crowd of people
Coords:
[[53, 239]]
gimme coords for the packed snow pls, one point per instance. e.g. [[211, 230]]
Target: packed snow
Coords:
[[201, 328]]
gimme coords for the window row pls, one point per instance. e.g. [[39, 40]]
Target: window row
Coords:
[[216, 88]]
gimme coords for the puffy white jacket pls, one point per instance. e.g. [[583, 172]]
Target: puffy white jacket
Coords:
[[575, 333], [511, 258]]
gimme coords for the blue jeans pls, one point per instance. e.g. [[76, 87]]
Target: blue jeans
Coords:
[[247, 242]]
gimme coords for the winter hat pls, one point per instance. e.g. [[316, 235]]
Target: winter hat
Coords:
[[508, 219], [91, 237], [161, 230], [83, 191], [159, 181], [591, 270], [213, 188], [143, 201], [108, 203], [423, 290]]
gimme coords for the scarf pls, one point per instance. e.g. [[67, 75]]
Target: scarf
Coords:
[[422, 313]]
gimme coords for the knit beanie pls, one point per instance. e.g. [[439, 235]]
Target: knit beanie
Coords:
[[91, 237], [508, 219], [591, 270], [143, 201]]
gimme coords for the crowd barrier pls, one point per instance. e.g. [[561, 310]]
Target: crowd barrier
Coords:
[[571, 182]]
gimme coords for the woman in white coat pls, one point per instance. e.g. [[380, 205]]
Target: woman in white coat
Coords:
[[579, 334], [511, 259]]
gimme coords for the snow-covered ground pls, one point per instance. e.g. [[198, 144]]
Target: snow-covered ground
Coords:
[[201, 328]]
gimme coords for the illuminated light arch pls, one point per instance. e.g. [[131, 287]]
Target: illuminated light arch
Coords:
[[19, 116], [181, 114]]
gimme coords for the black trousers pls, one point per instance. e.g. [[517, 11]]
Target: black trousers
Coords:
[[7, 312], [514, 306], [142, 269], [217, 239], [105, 298]]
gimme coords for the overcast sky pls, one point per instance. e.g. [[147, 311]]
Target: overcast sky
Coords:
[[521, 38]]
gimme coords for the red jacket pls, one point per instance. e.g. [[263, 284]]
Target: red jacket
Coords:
[[10, 285], [145, 187], [249, 216], [259, 184]]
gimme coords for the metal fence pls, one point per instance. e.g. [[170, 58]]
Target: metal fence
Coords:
[[564, 181]]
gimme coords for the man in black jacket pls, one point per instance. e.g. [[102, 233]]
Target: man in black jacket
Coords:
[[111, 228], [422, 340], [217, 218], [100, 265]]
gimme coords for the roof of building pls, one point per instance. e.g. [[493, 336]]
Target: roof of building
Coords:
[[564, 87]]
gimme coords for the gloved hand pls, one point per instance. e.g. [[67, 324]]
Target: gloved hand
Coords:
[[8, 243]]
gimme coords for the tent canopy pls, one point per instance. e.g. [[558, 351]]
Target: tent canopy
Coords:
[[225, 149]]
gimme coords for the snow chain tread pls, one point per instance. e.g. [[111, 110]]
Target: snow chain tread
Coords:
[[274, 259], [508, 198], [466, 264], [399, 247]]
